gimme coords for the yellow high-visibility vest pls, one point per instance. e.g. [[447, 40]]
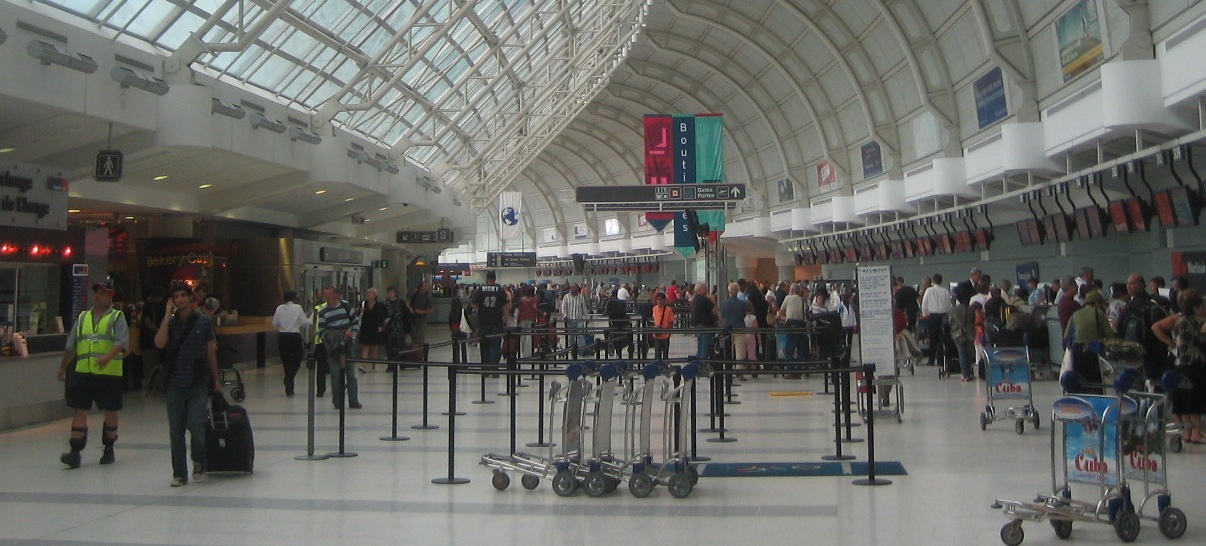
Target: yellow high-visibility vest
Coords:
[[94, 341]]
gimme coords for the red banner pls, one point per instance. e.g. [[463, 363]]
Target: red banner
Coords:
[[659, 160]]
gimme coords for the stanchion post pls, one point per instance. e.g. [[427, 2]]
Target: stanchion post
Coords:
[[343, 408], [393, 437], [695, 456], [451, 479], [312, 369], [868, 377], [540, 416], [838, 378]]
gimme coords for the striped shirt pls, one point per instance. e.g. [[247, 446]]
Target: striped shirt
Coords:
[[573, 307], [338, 318]]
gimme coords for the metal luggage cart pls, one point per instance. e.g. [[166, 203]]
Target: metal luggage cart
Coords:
[[1009, 379], [572, 398], [675, 471], [602, 472], [638, 421], [1109, 442], [884, 386]]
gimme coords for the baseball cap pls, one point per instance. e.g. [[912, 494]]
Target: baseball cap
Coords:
[[103, 285]]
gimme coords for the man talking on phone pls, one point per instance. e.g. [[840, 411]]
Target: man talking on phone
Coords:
[[190, 359]]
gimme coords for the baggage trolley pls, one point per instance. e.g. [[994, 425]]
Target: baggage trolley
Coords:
[[675, 471], [638, 421], [1009, 379], [883, 386], [602, 472], [572, 398], [1108, 442]]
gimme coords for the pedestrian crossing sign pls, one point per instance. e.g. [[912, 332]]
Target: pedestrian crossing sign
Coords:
[[108, 166]]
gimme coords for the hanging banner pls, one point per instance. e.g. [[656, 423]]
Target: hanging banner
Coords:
[[1078, 33], [826, 177], [709, 163], [659, 161], [510, 215], [873, 159], [684, 235]]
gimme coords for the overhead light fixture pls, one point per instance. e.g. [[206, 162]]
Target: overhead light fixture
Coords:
[[391, 168], [218, 106], [298, 133], [205, 186], [383, 209], [53, 54], [132, 78], [320, 192], [456, 202], [7, 150], [160, 177], [435, 188], [260, 120], [349, 200], [129, 218], [73, 211]]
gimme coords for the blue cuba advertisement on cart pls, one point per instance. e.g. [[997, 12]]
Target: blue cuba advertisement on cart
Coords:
[[1008, 373], [1091, 436]]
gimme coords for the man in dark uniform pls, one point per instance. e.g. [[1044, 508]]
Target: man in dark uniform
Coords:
[[491, 304]]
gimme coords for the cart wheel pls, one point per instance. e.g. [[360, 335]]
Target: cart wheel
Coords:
[[1176, 444], [612, 484], [640, 485], [564, 484], [500, 480], [1036, 420], [680, 485], [529, 482], [1172, 522], [1063, 528], [595, 484], [983, 421], [1012, 534], [1126, 526], [693, 474], [238, 394], [1019, 426]]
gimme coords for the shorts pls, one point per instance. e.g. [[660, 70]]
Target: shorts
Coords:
[[83, 389]]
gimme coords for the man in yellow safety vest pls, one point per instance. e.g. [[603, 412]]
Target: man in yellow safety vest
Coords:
[[96, 343]]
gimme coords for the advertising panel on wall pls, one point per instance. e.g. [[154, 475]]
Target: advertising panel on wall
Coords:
[[827, 178], [1078, 37], [989, 92], [873, 159], [30, 197]]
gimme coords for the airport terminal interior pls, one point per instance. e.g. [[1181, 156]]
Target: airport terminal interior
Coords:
[[254, 147]]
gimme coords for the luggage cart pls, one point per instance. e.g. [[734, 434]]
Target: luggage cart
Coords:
[[883, 386], [1009, 379], [602, 473], [675, 471], [1109, 442], [572, 398], [638, 420]]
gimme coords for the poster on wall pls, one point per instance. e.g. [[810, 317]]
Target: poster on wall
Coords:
[[580, 231], [1078, 37], [989, 92], [787, 191], [1027, 271], [1192, 265], [873, 159], [826, 176]]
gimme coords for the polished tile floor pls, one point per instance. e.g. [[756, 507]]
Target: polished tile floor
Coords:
[[385, 495]]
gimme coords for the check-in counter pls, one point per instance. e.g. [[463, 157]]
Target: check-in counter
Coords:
[[30, 392], [250, 343]]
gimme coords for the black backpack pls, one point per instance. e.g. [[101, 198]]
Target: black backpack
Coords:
[[1138, 324]]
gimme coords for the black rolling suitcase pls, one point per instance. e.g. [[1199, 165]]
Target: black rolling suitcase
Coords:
[[229, 446]]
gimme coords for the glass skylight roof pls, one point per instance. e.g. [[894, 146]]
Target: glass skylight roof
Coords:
[[458, 86]]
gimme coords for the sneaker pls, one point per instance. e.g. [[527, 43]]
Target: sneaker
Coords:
[[198, 472], [179, 482], [71, 459], [355, 405]]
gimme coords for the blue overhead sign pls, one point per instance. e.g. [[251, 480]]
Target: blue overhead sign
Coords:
[[989, 91]]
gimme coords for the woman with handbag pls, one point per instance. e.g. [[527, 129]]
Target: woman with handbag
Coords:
[[1189, 341], [961, 324]]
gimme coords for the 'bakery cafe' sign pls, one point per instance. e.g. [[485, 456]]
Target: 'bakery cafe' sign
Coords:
[[30, 197]]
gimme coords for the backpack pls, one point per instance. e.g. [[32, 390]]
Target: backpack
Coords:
[[1138, 324]]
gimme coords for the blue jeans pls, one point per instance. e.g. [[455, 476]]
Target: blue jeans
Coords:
[[342, 372], [581, 340], [186, 410], [703, 346], [967, 356], [796, 345]]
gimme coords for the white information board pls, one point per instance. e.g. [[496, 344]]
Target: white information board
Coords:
[[875, 317]]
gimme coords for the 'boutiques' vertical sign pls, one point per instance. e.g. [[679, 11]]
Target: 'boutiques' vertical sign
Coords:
[[31, 197]]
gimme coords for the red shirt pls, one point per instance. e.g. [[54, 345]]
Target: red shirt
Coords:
[[672, 293]]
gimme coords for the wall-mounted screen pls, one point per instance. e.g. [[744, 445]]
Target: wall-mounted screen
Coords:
[[1024, 234], [851, 255], [945, 245], [897, 249], [1058, 229], [1164, 209], [963, 242]]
